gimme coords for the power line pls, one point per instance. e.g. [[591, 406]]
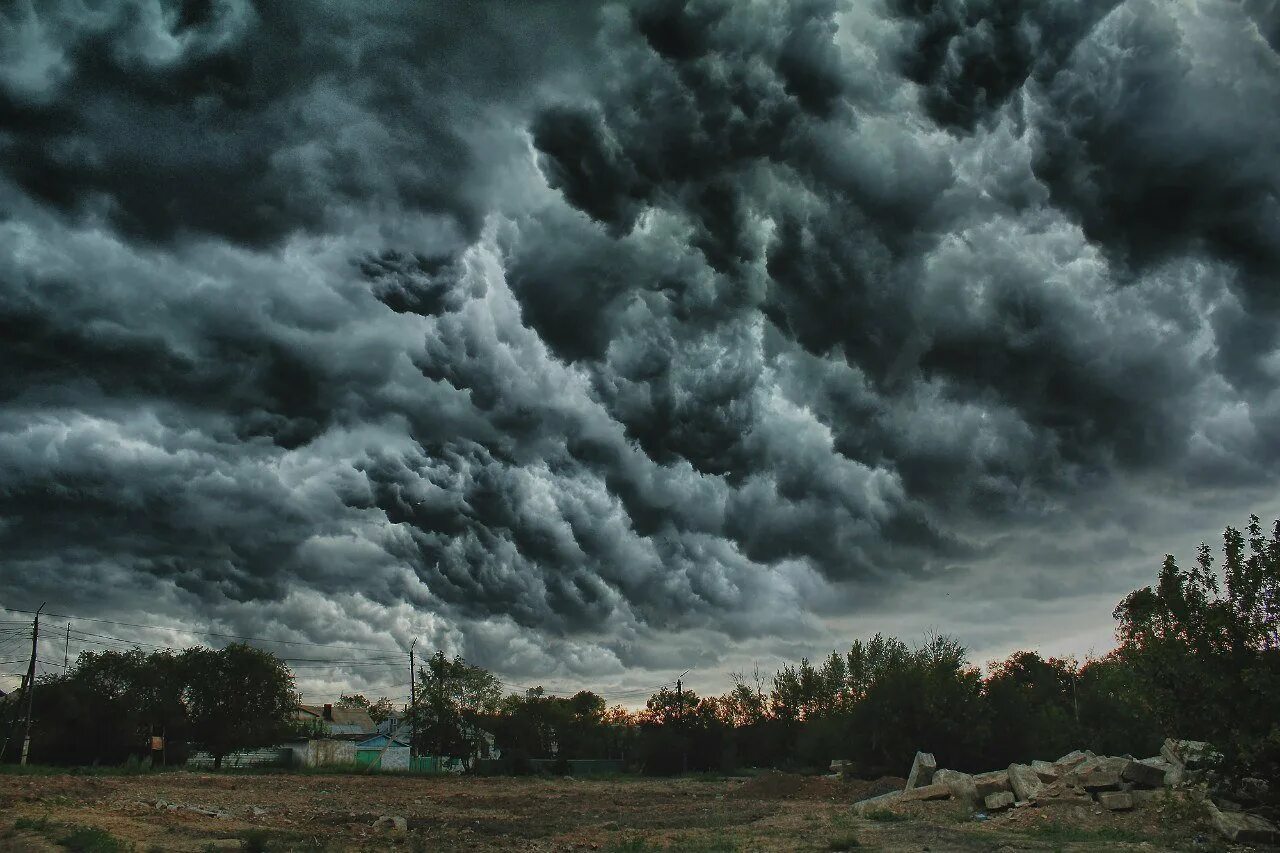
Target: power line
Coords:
[[83, 635], [213, 633]]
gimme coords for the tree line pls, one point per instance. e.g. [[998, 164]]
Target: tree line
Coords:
[[1198, 657]]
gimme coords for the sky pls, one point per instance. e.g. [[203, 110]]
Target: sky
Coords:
[[597, 342]]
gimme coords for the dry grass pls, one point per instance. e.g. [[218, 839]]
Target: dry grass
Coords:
[[771, 812]]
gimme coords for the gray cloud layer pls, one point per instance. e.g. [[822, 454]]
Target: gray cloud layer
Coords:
[[590, 343]]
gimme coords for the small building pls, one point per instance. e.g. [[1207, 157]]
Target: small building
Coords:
[[383, 752], [321, 752], [337, 721]]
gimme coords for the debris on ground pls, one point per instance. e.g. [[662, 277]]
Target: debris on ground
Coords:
[[1108, 783]]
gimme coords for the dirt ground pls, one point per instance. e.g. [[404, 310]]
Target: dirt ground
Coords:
[[770, 812]]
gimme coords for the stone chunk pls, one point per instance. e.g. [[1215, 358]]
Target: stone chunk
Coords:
[[992, 782], [880, 802], [922, 770], [998, 801], [1071, 759], [1191, 754], [961, 786], [1242, 827], [1023, 781], [1116, 801], [1143, 775], [1047, 771], [1142, 797], [936, 791], [391, 823], [1101, 780]]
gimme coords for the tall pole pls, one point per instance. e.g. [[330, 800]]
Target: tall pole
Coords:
[[684, 748], [31, 685], [66, 649], [412, 749]]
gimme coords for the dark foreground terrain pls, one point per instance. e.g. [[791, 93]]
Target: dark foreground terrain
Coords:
[[773, 812]]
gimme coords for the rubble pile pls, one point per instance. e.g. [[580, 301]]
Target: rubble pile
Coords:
[[1112, 783]]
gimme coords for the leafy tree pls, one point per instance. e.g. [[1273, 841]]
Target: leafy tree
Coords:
[[1034, 704], [378, 710], [1204, 644], [236, 698], [454, 699]]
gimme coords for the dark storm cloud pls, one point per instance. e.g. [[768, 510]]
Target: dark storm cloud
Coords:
[[582, 341], [252, 120]]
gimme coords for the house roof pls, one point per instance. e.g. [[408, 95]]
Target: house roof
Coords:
[[344, 720]]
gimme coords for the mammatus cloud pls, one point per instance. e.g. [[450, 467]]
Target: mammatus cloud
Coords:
[[596, 345]]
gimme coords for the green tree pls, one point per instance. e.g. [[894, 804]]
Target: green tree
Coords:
[[378, 710], [1205, 647], [236, 698], [455, 700], [1034, 704]]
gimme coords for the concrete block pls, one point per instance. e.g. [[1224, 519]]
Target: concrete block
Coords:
[[1071, 759], [936, 791], [1143, 775], [1023, 781], [1046, 770], [922, 770], [880, 802], [991, 783], [961, 786], [998, 801], [1242, 827], [1116, 801], [1101, 780], [1191, 754]]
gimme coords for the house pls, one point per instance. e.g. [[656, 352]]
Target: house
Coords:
[[384, 752], [483, 744], [337, 721]]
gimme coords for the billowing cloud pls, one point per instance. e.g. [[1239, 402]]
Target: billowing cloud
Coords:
[[597, 344]]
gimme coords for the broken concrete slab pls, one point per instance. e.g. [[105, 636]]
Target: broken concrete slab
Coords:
[[1116, 801], [1144, 797], [1173, 773], [992, 782], [936, 791], [1242, 827], [998, 801], [880, 802], [1071, 759], [1046, 770], [1143, 775], [961, 785], [922, 770], [1101, 780], [1023, 781], [1191, 754]]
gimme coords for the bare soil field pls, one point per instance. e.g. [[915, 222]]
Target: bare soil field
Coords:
[[188, 811]]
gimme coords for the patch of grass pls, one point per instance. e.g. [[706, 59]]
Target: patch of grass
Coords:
[[631, 844], [256, 841], [86, 839], [1065, 832], [844, 842], [702, 844], [35, 824], [885, 816]]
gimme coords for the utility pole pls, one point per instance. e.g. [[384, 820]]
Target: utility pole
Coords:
[[684, 739], [66, 649], [684, 747], [412, 678], [31, 684]]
